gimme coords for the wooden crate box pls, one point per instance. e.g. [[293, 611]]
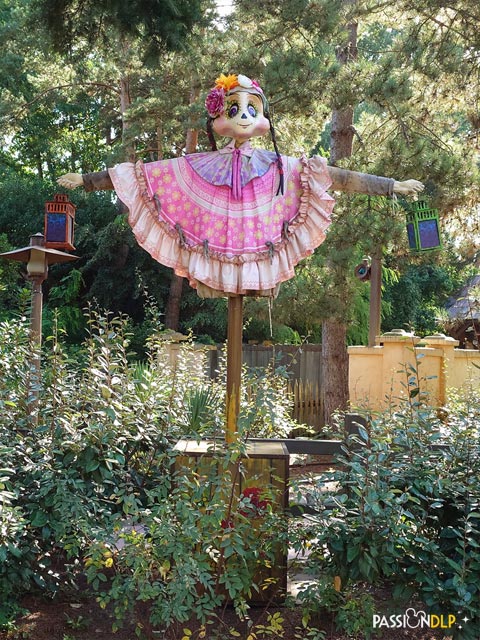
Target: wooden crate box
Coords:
[[264, 465]]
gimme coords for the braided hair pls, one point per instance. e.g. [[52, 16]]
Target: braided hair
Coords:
[[279, 157], [211, 137]]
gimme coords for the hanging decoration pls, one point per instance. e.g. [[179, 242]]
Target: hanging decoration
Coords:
[[423, 227]]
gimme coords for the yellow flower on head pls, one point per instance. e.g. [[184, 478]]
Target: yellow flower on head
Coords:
[[226, 82]]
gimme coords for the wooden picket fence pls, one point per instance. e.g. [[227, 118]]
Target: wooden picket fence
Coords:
[[304, 365], [307, 402]]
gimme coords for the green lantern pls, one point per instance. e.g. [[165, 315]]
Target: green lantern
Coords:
[[423, 227]]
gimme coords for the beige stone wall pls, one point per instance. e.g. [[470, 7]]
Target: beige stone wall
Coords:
[[381, 376]]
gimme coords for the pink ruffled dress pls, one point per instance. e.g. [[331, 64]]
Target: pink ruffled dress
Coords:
[[241, 240]]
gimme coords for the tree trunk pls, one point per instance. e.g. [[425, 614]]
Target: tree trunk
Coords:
[[125, 102], [334, 332], [172, 310], [335, 366]]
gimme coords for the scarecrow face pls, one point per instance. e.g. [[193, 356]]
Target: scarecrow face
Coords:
[[242, 118]]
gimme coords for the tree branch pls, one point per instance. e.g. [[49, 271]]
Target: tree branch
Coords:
[[38, 97]]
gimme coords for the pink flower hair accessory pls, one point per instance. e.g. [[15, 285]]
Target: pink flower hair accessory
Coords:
[[215, 102]]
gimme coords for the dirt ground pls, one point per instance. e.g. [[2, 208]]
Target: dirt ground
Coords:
[[84, 620]]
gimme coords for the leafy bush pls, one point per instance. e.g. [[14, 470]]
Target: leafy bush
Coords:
[[86, 485], [92, 444], [187, 555], [88, 451], [404, 509]]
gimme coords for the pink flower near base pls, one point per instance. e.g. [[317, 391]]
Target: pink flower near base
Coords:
[[254, 494], [255, 503]]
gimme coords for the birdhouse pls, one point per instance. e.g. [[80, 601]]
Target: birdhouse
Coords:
[[363, 270], [423, 227], [59, 221]]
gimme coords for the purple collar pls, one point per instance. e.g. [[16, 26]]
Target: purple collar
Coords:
[[232, 167]]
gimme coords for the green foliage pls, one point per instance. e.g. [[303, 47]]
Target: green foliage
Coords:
[[417, 298], [187, 555], [352, 608], [404, 512], [163, 24], [204, 317], [86, 485], [202, 411], [266, 407], [101, 442], [12, 294], [89, 452], [22, 201]]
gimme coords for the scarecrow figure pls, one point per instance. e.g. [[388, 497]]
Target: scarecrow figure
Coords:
[[234, 221]]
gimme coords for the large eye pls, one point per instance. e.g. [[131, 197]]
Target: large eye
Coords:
[[233, 110], [252, 110]]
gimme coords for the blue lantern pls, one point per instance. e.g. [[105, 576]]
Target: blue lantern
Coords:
[[59, 222]]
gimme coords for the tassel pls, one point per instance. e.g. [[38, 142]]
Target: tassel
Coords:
[[285, 226], [271, 249], [158, 203], [181, 235], [206, 250]]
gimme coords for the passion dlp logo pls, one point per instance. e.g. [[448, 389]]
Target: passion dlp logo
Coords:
[[413, 619]]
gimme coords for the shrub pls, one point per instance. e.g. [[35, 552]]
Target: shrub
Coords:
[[187, 555], [405, 510], [87, 453], [92, 446]]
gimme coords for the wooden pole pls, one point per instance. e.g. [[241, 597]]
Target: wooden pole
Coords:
[[36, 345], [375, 297], [234, 365]]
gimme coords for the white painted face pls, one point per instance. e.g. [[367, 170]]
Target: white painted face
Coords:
[[243, 117]]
